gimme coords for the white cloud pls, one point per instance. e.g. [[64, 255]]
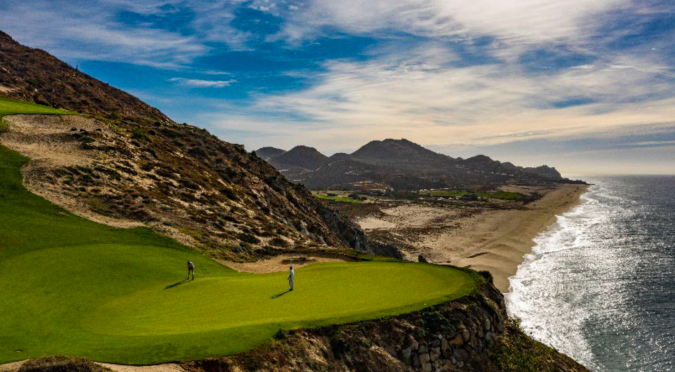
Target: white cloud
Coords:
[[514, 21], [84, 31], [198, 83], [419, 96]]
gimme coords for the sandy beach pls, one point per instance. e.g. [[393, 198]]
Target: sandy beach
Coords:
[[484, 239]]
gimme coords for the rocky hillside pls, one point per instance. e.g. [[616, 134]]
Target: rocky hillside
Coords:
[[470, 334], [34, 75], [126, 164], [403, 165]]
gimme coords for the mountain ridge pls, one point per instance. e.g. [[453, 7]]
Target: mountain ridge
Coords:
[[403, 164]]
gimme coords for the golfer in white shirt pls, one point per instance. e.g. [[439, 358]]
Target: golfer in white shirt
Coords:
[[291, 276]]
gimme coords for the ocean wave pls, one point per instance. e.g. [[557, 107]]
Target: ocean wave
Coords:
[[575, 284]]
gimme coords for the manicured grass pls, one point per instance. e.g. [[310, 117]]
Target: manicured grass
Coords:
[[341, 199], [71, 286], [10, 107]]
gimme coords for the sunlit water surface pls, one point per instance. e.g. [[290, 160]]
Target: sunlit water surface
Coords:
[[600, 284]]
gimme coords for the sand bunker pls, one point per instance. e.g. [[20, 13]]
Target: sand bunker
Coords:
[[281, 262]]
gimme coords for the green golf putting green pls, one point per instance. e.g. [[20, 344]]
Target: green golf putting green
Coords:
[[71, 286]]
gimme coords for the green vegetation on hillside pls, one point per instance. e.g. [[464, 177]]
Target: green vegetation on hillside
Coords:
[[71, 286], [490, 195], [338, 198]]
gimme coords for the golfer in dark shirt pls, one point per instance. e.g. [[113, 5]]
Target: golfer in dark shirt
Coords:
[[191, 270]]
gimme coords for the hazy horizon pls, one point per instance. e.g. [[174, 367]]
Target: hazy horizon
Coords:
[[586, 87], [529, 161]]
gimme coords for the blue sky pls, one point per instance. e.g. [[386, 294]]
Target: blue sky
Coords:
[[587, 86]]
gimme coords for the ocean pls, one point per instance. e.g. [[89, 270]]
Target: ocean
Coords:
[[599, 285]]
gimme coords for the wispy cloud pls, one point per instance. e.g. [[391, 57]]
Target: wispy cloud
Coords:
[[83, 30], [421, 96], [461, 74], [198, 83], [531, 21]]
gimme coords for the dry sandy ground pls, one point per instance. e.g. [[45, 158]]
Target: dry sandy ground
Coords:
[[492, 240], [167, 367], [281, 262], [5, 89]]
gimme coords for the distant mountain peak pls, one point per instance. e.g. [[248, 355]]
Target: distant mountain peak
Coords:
[[300, 156], [480, 158], [267, 153]]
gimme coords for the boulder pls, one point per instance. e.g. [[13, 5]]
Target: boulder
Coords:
[[461, 355], [457, 341], [466, 335]]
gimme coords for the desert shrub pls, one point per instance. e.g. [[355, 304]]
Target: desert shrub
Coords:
[[248, 238], [139, 135], [165, 172], [486, 275], [229, 193], [435, 322], [278, 242], [189, 184], [357, 197], [280, 335], [240, 149], [127, 170], [110, 172], [197, 152], [517, 352], [338, 343], [113, 116], [148, 166]]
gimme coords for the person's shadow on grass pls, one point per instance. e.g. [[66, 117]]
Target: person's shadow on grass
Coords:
[[279, 294], [176, 284]]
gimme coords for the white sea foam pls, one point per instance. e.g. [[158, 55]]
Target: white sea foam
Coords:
[[572, 279]]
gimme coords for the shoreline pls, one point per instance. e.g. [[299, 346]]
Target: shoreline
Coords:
[[495, 240], [498, 241]]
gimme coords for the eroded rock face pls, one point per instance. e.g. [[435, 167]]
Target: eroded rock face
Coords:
[[470, 334]]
